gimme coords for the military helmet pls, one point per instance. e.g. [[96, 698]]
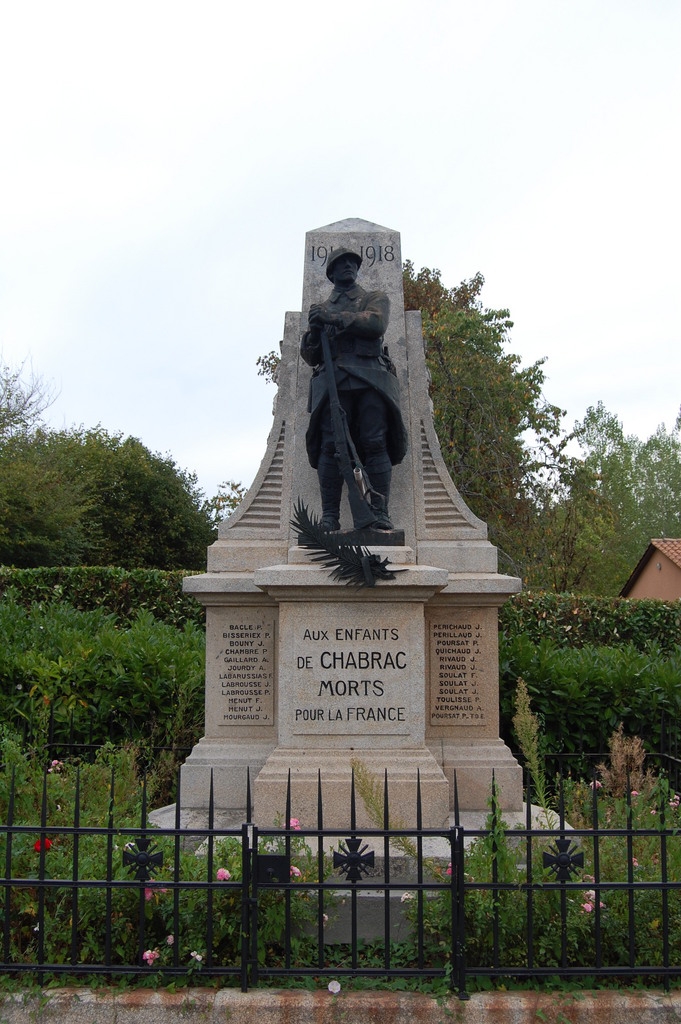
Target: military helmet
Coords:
[[336, 255]]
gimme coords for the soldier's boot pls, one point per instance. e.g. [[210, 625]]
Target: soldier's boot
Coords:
[[379, 471], [330, 489]]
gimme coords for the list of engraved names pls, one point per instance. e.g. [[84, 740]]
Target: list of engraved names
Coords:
[[456, 654], [246, 670]]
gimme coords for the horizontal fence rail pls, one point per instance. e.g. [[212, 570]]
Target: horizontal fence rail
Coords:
[[597, 901]]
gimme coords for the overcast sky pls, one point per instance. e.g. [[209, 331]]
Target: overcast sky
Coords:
[[161, 162]]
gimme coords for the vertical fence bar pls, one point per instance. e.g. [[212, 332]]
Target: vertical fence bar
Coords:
[[245, 902], [142, 883], [496, 823], [529, 870], [386, 874], [595, 824], [419, 871], [630, 877], [563, 890], [458, 891], [41, 879], [253, 907], [353, 891], [210, 874], [287, 890], [7, 924], [108, 899], [246, 861], [320, 874], [74, 873], [177, 869], [665, 892]]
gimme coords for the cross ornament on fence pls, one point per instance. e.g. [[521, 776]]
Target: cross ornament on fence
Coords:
[[144, 859], [351, 861], [563, 859]]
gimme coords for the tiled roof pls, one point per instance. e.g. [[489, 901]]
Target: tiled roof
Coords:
[[670, 548]]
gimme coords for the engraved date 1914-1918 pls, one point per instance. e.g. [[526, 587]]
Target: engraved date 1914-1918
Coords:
[[370, 253]]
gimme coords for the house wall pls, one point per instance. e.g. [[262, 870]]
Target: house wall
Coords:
[[663, 583]]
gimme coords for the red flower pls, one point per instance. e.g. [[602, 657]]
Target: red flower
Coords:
[[42, 844]]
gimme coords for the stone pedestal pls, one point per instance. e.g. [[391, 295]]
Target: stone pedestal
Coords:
[[306, 676], [352, 662]]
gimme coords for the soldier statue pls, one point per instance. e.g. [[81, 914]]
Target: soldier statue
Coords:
[[356, 433]]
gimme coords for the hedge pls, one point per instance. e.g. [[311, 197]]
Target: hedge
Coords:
[[567, 620], [124, 592], [570, 620], [589, 663]]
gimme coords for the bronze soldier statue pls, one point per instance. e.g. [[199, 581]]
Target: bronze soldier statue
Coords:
[[363, 406]]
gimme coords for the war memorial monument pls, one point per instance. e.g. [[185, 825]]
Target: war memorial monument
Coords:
[[306, 675]]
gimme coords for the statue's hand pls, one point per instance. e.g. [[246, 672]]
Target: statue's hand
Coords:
[[316, 315]]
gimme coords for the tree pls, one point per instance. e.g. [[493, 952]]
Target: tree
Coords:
[[229, 496], [497, 432], [641, 483], [92, 498], [41, 505], [24, 397]]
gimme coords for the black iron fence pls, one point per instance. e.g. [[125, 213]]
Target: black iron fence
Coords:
[[587, 890]]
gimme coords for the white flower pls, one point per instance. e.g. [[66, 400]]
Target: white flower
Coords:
[[334, 987], [406, 896]]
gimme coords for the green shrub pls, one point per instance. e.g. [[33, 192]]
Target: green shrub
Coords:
[[125, 592], [570, 620], [84, 675], [582, 694]]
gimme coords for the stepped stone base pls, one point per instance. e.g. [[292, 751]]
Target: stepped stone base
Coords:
[[475, 766], [403, 767], [230, 763]]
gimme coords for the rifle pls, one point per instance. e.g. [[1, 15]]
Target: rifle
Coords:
[[360, 491]]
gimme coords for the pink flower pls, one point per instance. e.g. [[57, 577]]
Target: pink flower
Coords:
[[653, 811], [596, 784], [634, 862], [170, 940], [148, 894], [449, 868], [42, 844], [150, 955], [635, 792], [55, 766], [591, 901], [588, 878], [295, 872], [294, 823], [223, 875]]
